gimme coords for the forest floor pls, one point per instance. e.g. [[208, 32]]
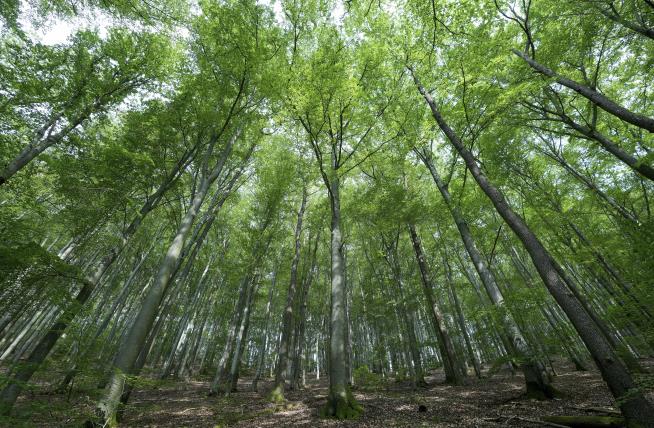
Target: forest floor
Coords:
[[496, 401]]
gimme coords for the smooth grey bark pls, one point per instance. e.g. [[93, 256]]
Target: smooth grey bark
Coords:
[[217, 385], [453, 371], [340, 404], [40, 352], [536, 379], [142, 358], [593, 134], [337, 366], [592, 95], [460, 318], [277, 393], [241, 336], [130, 348], [266, 331], [632, 402]]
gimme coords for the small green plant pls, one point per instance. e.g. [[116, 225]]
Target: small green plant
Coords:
[[365, 379], [402, 375]]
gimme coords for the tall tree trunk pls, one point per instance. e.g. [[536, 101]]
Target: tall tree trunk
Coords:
[[460, 317], [406, 315], [536, 378], [40, 352], [340, 403], [610, 146], [277, 394], [241, 337], [308, 279], [218, 383], [635, 407], [455, 374], [182, 328], [266, 331], [130, 348]]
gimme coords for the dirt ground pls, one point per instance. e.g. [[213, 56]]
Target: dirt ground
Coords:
[[497, 401]]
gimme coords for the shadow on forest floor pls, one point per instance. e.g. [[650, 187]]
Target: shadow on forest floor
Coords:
[[490, 402]]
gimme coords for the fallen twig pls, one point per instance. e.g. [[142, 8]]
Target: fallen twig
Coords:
[[533, 421], [598, 409]]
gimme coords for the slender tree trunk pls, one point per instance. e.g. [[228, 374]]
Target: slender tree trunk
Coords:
[[219, 379], [130, 348], [536, 379], [308, 279], [632, 402], [455, 374], [39, 144], [189, 307], [592, 95], [277, 393], [241, 337], [461, 318], [266, 332], [610, 146], [40, 352]]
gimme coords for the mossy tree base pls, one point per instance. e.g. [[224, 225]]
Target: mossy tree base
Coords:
[[221, 388], [341, 406], [277, 395]]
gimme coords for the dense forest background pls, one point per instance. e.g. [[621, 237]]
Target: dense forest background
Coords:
[[359, 193]]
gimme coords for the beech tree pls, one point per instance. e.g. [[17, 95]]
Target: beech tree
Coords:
[[333, 202]]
